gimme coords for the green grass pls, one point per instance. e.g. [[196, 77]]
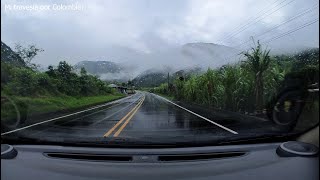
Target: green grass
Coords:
[[42, 105]]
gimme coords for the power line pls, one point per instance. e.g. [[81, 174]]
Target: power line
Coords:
[[259, 20], [249, 20], [283, 34], [289, 20], [292, 31]]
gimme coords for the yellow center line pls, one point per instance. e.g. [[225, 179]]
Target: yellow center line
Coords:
[[127, 121], [119, 122]]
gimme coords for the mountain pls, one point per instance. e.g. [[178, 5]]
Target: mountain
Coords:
[[152, 68], [106, 70], [150, 78], [191, 58], [155, 77], [99, 67], [9, 56], [188, 72], [199, 54], [209, 54]]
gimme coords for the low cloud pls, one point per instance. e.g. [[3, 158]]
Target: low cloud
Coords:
[[129, 31]]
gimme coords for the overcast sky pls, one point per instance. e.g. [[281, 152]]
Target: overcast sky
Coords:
[[101, 30]]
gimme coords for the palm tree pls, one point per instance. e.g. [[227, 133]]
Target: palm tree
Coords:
[[258, 61]]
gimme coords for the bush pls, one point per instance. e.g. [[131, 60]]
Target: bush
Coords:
[[23, 82]]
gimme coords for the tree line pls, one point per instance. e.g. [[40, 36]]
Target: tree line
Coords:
[[55, 81]]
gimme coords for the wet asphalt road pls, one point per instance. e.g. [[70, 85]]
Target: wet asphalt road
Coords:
[[148, 116]]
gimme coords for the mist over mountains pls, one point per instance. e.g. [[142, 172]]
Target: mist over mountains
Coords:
[[152, 69], [158, 64]]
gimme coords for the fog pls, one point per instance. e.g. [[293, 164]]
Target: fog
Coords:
[[146, 34]]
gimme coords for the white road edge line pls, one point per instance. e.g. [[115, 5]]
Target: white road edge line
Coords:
[[95, 107], [219, 125]]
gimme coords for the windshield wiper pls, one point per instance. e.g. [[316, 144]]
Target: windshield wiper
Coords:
[[138, 143]]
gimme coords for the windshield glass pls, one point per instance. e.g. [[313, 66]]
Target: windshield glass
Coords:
[[158, 72]]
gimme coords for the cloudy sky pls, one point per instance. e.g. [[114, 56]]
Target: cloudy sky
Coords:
[[105, 29]]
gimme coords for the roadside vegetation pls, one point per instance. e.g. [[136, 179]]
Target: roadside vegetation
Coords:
[[246, 86], [31, 106], [58, 88]]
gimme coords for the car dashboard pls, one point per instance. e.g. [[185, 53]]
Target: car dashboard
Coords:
[[252, 161]]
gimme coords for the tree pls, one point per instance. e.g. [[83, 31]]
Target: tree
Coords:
[[64, 69], [83, 72], [28, 53], [51, 71], [130, 83], [258, 61]]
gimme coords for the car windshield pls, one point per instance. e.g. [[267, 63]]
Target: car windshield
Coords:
[[141, 72]]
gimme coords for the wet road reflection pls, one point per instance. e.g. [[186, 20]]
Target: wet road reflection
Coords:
[[155, 118]]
